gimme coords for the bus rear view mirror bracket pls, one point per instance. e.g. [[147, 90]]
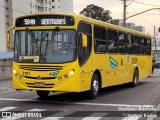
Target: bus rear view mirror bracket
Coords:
[[84, 41]]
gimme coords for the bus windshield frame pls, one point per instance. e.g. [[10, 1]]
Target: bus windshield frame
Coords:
[[51, 46]]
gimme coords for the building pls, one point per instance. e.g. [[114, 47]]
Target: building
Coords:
[[130, 25], [11, 9], [5, 22], [62, 6]]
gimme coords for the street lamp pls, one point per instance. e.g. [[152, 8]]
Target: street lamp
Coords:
[[124, 14]]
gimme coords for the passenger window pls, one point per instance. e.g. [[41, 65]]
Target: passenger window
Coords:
[[99, 39], [112, 42], [122, 42], [130, 46]]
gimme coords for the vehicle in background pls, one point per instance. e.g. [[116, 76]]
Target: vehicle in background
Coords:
[[153, 65], [157, 62]]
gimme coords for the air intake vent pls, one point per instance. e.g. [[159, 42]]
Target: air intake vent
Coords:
[[42, 78], [40, 68]]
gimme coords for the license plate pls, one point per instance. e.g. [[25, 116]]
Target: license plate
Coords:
[[39, 84]]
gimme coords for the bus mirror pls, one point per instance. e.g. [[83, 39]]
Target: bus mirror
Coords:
[[84, 40], [8, 38]]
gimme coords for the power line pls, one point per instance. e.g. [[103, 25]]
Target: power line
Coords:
[[13, 9], [146, 4], [141, 17], [130, 3], [4, 22]]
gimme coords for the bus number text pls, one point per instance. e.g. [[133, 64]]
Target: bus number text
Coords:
[[29, 21]]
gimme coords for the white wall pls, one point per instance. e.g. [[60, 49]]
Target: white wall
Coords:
[[2, 28]]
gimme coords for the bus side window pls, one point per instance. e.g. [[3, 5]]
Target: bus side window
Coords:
[[112, 42], [148, 46], [99, 39], [137, 46], [130, 47], [122, 42]]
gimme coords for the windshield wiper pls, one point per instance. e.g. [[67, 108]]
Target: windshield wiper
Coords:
[[53, 34], [31, 34]]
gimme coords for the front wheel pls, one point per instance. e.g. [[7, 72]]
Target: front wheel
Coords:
[[95, 87], [42, 94]]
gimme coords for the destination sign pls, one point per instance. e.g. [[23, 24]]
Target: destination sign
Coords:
[[45, 20]]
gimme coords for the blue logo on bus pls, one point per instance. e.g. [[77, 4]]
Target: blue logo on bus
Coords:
[[113, 63], [54, 73]]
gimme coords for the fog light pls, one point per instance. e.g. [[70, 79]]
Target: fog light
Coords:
[[59, 78], [20, 77], [65, 76], [16, 74], [14, 71]]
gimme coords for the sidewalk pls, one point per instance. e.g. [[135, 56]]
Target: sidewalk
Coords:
[[6, 85]]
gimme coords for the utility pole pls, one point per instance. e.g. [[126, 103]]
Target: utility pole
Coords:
[[124, 14], [155, 41]]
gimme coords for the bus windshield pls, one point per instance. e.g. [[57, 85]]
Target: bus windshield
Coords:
[[45, 46]]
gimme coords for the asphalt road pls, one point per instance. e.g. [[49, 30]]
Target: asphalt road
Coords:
[[111, 103]]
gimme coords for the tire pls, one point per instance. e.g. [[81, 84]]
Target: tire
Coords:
[[42, 94], [135, 80], [95, 87]]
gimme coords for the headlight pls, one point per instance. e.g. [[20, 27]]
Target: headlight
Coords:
[[71, 72], [14, 71]]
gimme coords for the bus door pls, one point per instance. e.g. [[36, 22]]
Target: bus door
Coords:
[[84, 54]]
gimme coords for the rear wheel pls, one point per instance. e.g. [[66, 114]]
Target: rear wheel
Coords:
[[42, 94], [135, 78], [95, 87]]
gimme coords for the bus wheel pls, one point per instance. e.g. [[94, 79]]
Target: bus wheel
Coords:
[[42, 94], [95, 86], [135, 78]]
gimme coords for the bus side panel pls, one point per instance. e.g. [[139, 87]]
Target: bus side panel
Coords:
[[144, 64]]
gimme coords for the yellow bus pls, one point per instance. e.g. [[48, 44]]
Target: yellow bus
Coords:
[[72, 53]]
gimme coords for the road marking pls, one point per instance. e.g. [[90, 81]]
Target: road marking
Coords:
[[131, 118], [7, 108], [92, 116], [77, 103], [37, 110], [59, 115]]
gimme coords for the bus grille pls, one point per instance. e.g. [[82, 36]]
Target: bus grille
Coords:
[[40, 68], [42, 78]]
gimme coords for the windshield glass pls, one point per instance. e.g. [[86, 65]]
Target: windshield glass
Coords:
[[45, 46]]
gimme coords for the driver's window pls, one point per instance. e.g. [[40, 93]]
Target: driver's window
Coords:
[[84, 52]]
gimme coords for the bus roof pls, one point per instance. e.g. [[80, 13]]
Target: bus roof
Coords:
[[92, 21]]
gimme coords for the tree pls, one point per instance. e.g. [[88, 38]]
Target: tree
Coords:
[[96, 12]]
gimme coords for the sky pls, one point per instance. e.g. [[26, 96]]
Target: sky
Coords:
[[147, 19]]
